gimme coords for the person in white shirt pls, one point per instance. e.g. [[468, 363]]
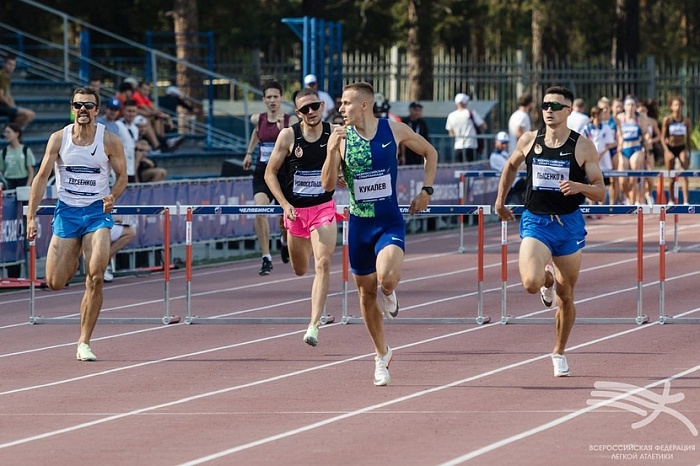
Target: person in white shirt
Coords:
[[604, 139], [578, 119], [520, 122], [311, 81], [462, 125], [129, 134]]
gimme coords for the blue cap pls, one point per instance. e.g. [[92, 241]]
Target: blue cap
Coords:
[[114, 104]]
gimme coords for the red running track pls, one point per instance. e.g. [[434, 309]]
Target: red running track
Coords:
[[256, 394]]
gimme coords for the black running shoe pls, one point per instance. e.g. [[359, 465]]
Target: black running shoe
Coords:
[[266, 266], [284, 252]]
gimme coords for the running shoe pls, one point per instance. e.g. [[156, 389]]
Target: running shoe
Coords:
[[547, 293], [390, 305], [266, 267], [284, 252], [311, 335], [381, 368], [108, 277], [561, 368], [85, 353]]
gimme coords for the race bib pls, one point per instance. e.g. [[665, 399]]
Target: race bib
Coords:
[[372, 186], [677, 129], [266, 151], [307, 183], [548, 173]]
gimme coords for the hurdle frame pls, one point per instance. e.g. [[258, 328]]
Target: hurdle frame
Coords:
[[639, 319], [190, 317], [480, 319], [117, 210], [662, 211]]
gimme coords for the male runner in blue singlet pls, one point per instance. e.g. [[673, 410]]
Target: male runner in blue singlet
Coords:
[[367, 148], [562, 170], [83, 154]]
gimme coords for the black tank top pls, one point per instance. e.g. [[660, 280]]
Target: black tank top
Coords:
[[546, 167], [302, 170]]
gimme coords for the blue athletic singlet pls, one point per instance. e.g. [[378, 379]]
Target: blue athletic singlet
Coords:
[[370, 169]]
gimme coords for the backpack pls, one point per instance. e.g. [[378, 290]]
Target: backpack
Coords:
[[25, 148]]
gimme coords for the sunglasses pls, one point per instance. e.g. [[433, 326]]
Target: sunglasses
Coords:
[[307, 108], [88, 105], [555, 106]]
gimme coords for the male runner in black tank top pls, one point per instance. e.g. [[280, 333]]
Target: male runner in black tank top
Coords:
[[309, 210], [562, 170]]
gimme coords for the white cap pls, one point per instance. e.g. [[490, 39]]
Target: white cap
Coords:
[[462, 98], [174, 90], [133, 81], [502, 136], [310, 79]]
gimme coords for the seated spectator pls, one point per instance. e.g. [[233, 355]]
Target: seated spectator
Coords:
[[498, 160], [159, 121], [120, 236], [19, 115], [110, 114], [17, 163], [173, 99], [147, 169]]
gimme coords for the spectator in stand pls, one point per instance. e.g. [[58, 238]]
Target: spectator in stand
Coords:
[[173, 99], [159, 121], [497, 161], [95, 82], [578, 119], [110, 115], [17, 162], [129, 134], [416, 122], [520, 122], [19, 115], [147, 169], [462, 125], [382, 109], [329, 104], [336, 112], [604, 139], [125, 92]]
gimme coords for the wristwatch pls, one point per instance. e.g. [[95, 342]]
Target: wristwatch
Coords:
[[428, 189]]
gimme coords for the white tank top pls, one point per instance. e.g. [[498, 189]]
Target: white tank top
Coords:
[[82, 172]]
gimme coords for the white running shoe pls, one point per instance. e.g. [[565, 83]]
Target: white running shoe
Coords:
[[561, 368], [547, 294], [381, 368], [85, 353], [390, 305], [108, 277]]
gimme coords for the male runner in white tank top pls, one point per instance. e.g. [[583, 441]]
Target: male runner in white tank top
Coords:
[[83, 154]]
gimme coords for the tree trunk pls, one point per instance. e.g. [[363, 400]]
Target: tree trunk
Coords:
[[625, 47], [420, 50], [537, 57], [186, 27]]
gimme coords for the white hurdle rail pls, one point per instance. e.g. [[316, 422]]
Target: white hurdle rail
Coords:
[[639, 318], [662, 211], [118, 210]]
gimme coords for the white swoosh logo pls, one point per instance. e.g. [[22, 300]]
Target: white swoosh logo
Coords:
[[581, 241], [324, 145], [563, 154], [386, 145]]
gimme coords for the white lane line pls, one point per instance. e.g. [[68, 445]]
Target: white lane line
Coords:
[[394, 401]]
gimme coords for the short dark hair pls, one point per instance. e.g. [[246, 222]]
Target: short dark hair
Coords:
[[562, 91], [525, 100], [130, 103], [16, 129], [303, 93], [272, 84], [87, 91]]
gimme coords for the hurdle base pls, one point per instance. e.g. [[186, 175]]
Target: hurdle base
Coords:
[[246, 320], [678, 320], [582, 320], [106, 320], [422, 320]]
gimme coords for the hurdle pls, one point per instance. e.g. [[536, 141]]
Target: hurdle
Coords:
[[662, 211], [676, 174], [123, 210], [190, 317], [480, 211], [639, 319]]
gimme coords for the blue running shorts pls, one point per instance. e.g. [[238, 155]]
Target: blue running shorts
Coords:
[[563, 234], [368, 236], [76, 222]]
